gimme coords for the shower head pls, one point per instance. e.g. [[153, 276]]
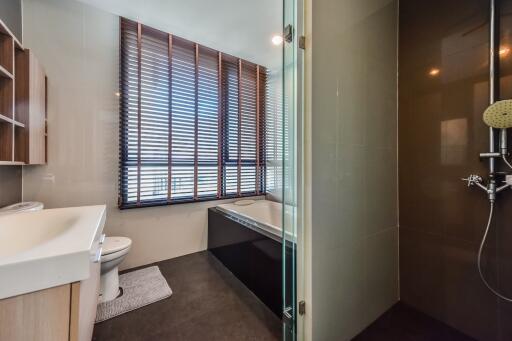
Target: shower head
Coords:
[[499, 114]]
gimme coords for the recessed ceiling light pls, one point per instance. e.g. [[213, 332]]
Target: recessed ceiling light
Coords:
[[277, 40], [434, 72], [504, 51]]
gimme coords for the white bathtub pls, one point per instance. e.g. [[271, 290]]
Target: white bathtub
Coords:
[[265, 215]]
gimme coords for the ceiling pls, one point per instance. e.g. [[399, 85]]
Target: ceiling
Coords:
[[242, 28]]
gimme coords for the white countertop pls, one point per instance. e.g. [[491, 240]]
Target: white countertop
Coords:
[[47, 248]]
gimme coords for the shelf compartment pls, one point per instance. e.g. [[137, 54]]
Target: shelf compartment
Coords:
[[7, 97], [7, 53], [5, 30], [20, 144], [6, 141]]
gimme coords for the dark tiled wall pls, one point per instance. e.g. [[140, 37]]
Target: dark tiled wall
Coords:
[[10, 185], [440, 135]]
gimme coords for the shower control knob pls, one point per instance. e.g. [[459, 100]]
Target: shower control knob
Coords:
[[472, 180]]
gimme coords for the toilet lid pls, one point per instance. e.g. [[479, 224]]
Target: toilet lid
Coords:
[[115, 244]]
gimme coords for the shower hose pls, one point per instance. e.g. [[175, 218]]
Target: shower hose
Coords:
[[479, 261], [506, 161]]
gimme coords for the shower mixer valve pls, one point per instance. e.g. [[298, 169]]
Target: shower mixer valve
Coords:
[[491, 189]]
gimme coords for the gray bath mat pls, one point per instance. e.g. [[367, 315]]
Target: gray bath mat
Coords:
[[140, 288]]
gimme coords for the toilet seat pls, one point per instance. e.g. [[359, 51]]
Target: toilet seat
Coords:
[[114, 255], [115, 244], [115, 247]]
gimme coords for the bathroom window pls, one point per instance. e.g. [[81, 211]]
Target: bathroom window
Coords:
[[192, 121]]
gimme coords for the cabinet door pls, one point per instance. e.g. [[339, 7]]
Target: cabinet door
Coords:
[[37, 120], [41, 315], [30, 109], [84, 300]]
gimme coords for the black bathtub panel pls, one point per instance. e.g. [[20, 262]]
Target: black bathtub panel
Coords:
[[255, 259]]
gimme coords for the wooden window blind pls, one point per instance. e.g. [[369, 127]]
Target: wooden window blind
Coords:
[[192, 121]]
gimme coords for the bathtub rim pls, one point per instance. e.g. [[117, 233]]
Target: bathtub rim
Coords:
[[251, 223], [268, 230]]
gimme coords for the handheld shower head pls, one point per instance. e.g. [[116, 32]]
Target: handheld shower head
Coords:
[[499, 115]]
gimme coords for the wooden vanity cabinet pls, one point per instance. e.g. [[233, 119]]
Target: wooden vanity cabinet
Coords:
[[63, 313]]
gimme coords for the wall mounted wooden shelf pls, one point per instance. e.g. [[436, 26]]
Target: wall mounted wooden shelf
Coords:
[[22, 104]]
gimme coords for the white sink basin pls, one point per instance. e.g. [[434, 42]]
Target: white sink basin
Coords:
[[47, 248]]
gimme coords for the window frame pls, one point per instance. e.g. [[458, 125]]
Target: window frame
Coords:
[[224, 159]]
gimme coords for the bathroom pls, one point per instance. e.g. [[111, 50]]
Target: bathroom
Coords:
[[255, 170]]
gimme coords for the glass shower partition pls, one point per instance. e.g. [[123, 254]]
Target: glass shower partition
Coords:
[[291, 164]]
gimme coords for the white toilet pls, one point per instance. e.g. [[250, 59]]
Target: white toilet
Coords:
[[21, 207], [114, 250]]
